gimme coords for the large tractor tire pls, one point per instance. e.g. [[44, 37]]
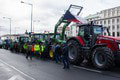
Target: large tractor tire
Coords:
[[103, 58], [74, 52]]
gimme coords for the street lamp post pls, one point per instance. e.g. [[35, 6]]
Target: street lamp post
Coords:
[[10, 24], [31, 12]]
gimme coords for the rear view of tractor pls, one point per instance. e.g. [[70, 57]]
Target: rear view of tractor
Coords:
[[37, 37], [102, 51], [20, 43]]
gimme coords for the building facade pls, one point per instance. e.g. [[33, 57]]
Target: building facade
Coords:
[[8, 36], [108, 18], [67, 31], [74, 30]]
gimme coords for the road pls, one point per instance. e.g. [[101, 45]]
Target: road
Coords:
[[15, 67]]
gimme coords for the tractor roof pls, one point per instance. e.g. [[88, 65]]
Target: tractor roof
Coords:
[[87, 24]]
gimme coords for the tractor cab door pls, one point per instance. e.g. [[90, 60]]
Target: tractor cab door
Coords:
[[97, 30], [84, 32]]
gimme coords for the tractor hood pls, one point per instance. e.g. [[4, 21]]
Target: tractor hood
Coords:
[[110, 37]]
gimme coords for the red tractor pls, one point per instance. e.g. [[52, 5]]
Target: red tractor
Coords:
[[102, 51]]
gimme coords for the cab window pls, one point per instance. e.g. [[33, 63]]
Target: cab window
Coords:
[[98, 30], [81, 31]]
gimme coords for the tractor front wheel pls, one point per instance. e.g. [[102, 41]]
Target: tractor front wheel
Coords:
[[103, 58], [74, 52]]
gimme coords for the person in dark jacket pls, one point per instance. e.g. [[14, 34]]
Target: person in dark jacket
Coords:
[[58, 52], [65, 58], [29, 50], [16, 46]]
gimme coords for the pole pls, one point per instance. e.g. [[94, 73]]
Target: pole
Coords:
[[31, 13], [31, 16], [33, 25], [10, 28]]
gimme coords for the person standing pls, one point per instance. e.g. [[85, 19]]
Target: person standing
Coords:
[[29, 51], [58, 52], [65, 58], [46, 50], [15, 46], [53, 50], [33, 49], [25, 47], [42, 47], [37, 49]]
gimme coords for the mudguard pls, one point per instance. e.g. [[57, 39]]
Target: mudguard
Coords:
[[78, 39], [98, 45]]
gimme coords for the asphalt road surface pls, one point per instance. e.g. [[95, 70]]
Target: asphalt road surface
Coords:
[[16, 67]]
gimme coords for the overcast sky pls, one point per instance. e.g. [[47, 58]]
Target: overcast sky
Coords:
[[46, 13]]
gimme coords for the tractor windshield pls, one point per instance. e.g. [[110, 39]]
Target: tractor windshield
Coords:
[[57, 36], [24, 39], [98, 30], [38, 36]]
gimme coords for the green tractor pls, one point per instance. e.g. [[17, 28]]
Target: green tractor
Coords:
[[39, 37], [61, 37], [20, 43], [43, 39], [50, 41], [64, 20], [51, 38]]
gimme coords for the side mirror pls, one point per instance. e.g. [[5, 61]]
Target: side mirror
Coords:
[[106, 28], [90, 36]]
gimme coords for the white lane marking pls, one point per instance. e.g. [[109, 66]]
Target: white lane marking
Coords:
[[1, 64], [5, 67], [17, 70], [92, 70], [16, 77], [13, 77]]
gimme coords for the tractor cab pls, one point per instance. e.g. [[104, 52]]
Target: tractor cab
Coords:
[[37, 37], [23, 39], [90, 44], [89, 33]]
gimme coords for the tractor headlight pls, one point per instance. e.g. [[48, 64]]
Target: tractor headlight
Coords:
[[118, 42], [119, 46]]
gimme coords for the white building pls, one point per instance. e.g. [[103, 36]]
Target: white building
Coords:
[[74, 30], [67, 31], [8, 36], [108, 18]]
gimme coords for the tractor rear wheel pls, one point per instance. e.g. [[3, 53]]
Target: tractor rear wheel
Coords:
[[103, 58], [74, 52]]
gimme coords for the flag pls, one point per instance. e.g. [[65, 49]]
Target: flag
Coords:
[[73, 18]]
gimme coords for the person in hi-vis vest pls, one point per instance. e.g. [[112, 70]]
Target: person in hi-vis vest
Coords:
[[42, 47], [37, 49]]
